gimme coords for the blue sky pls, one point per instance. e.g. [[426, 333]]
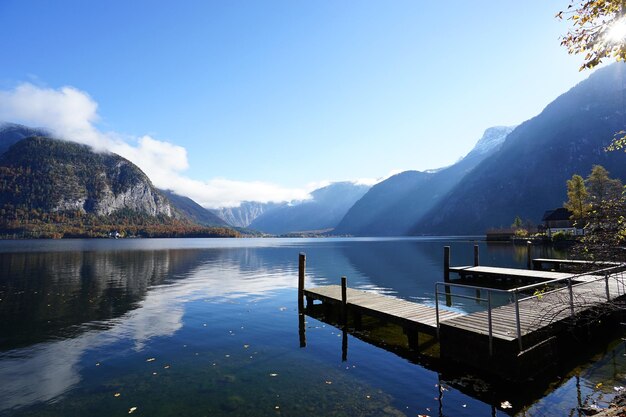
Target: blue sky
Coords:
[[232, 100]]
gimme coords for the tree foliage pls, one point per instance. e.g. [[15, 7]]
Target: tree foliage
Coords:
[[577, 198], [601, 187], [598, 30], [604, 217]]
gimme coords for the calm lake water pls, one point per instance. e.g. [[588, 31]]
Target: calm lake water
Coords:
[[210, 327]]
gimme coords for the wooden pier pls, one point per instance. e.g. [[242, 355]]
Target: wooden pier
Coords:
[[558, 264], [501, 273], [520, 336], [414, 318]]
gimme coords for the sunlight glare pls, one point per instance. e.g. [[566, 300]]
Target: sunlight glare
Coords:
[[617, 33]]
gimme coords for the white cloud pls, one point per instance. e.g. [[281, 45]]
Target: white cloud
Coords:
[[72, 114]]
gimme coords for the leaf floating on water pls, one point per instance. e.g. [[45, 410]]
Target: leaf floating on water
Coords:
[[117, 394], [328, 382], [283, 309], [506, 404], [423, 415], [273, 375], [599, 384], [97, 363], [618, 389], [150, 359], [246, 346], [166, 367], [132, 410]]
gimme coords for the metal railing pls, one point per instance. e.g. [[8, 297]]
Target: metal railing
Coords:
[[614, 273]]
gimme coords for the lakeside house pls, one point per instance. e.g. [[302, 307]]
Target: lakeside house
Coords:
[[559, 220]]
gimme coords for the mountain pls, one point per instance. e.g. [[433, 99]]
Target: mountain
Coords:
[[245, 213], [323, 211], [392, 207], [55, 188], [55, 175], [11, 133], [527, 175], [193, 210]]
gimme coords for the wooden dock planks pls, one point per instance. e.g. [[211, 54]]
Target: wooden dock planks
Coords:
[[497, 272], [536, 313], [402, 312], [557, 263]]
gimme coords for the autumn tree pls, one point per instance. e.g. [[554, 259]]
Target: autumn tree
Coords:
[[598, 30], [601, 187], [577, 197], [599, 200]]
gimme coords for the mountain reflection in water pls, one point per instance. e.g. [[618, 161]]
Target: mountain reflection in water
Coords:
[[79, 321]]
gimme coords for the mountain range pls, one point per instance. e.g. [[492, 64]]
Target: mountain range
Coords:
[[393, 206], [512, 171], [528, 174], [55, 188]]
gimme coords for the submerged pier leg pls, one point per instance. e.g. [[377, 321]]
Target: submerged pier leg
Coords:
[[302, 329], [529, 263]]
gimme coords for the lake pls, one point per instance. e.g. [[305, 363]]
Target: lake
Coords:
[[210, 327]]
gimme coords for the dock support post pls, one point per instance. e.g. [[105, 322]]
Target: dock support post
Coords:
[[606, 284], [413, 338], [301, 272], [518, 324], [344, 300], [476, 259], [446, 263], [489, 320], [571, 297], [446, 274], [344, 344], [529, 264], [302, 329]]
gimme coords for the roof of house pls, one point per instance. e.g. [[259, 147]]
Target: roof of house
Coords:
[[558, 214]]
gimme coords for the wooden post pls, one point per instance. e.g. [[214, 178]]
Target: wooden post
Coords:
[[344, 300], [301, 273], [446, 263], [476, 263], [413, 338], [529, 255], [302, 329], [446, 274]]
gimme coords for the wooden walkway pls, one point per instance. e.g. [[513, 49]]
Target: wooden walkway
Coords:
[[538, 263], [537, 313], [409, 315], [496, 272], [515, 338]]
